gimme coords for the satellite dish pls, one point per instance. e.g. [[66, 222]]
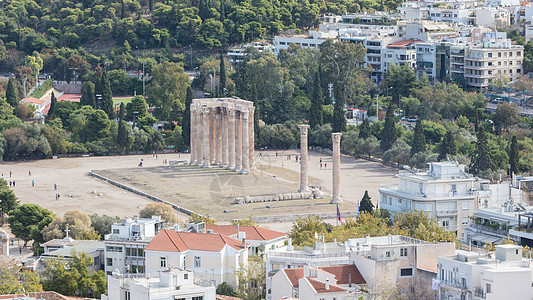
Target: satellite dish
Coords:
[[316, 235]]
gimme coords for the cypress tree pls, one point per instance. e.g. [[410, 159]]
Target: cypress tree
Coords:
[[222, 72], [317, 100], [52, 110], [122, 10], [419, 140], [447, 146], [388, 136], [364, 129], [88, 94], [11, 93], [481, 160], [121, 135], [339, 121], [107, 96], [122, 111], [151, 5], [513, 156], [366, 204], [257, 128], [186, 121]]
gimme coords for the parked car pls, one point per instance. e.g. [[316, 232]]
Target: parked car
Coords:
[[412, 119]]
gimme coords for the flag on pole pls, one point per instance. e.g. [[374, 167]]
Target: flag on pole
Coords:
[[377, 205], [339, 214]]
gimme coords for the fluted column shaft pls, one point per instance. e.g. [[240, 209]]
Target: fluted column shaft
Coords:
[[304, 185], [245, 144], [336, 198], [231, 139], [218, 137], [192, 134], [199, 136], [224, 121], [206, 135], [238, 141], [251, 137], [212, 136]]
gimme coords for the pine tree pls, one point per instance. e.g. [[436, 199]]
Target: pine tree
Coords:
[[364, 129], [481, 160], [339, 121], [88, 94], [419, 139], [122, 135], [222, 73], [11, 93], [122, 111], [186, 121], [388, 136], [366, 204], [316, 111], [513, 156], [151, 5], [107, 96], [52, 110], [122, 10], [447, 146]]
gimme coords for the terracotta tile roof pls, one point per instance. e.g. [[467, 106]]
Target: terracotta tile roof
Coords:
[[400, 44], [320, 287], [12, 296], [33, 100], [294, 275], [170, 240], [70, 97], [342, 274], [253, 233]]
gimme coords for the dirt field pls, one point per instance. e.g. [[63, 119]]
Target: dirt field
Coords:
[[204, 191]]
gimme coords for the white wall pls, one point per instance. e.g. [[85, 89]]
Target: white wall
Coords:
[[281, 286]]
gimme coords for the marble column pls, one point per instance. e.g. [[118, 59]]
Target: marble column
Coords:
[[218, 135], [192, 134], [238, 141], [224, 137], [199, 135], [206, 130], [251, 136], [304, 160], [336, 198], [245, 144], [231, 139], [212, 136]]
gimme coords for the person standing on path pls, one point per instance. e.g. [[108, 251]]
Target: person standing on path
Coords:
[[10, 174], [33, 183], [29, 173], [55, 187]]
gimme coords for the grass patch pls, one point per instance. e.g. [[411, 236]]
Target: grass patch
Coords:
[[39, 92], [122, 100]]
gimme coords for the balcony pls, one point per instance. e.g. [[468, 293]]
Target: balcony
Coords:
[[451, 227], [445, 213], [479, 76], [454, 285]]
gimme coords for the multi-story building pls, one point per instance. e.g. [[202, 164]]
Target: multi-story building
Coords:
[[124, 246], [374, 45], [492, 59], [94, 249], [490, 17], [171, 283], [470, 275], [382, 261], [213, 257], [313, 40], [400, 53]]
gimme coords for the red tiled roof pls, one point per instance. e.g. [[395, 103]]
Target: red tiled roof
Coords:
[[70, 97], [342, 274], [170, 240], [320, 287], [46, 109], [294, 275], [12, 296], [252, 232], [33, 100], [400, 44]]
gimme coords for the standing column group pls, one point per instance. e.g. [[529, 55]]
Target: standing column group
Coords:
[[222, 133]]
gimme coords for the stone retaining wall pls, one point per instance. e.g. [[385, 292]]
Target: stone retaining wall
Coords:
[[294, 217], [130, 189]]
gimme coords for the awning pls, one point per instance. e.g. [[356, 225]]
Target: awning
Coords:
[[484, 239]]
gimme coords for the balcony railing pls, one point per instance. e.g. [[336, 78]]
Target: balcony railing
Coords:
[[308, 255], [442, 213], [450, 227], [453, 284]]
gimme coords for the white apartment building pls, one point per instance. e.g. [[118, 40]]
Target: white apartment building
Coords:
[[212, 257], [382, 261], [94, 249], [400, 53], [375, 46], [313, 40], [497, 275], [492, 59], [445, 192], [171, 283], [124, 246], [490, 17]]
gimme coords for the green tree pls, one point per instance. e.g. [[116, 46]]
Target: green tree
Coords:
[[88, 94], [339, 120], [317, 100], [368, 146], [514, 158], [122, 135], [419, 139], [8, 199], [225, 289], [165, 211], [98, 125], [52, 110], [421, 226], [506, 115], [11, 93], [122, 111], [167, 89], [388, 136], [251, 279], [107, 96], [366, 204], [78, 223], [481, 159], [222, 73], [303, 230], [364, 129], [138, 104], [186, 121], [27, 220], [102, 223], [447, 146], [13, 280]]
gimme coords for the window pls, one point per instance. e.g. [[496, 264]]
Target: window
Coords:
[[197, 263], [465, 221], [445, 223], [198, 298], [185, 276], [127, 295], [184, 262], [128, 251], [454, 187], [109, 262], [406, 272], [490, 54], [116, 231], [463, 281], [499, 54], [465, 205], [97, 260], [403, 252], [163, 261], [387, 254], [488, 288]]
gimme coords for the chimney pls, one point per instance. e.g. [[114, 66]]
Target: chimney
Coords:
[[241, 235], [350, 279], [289, 245], [367, 239], [327, 283]]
